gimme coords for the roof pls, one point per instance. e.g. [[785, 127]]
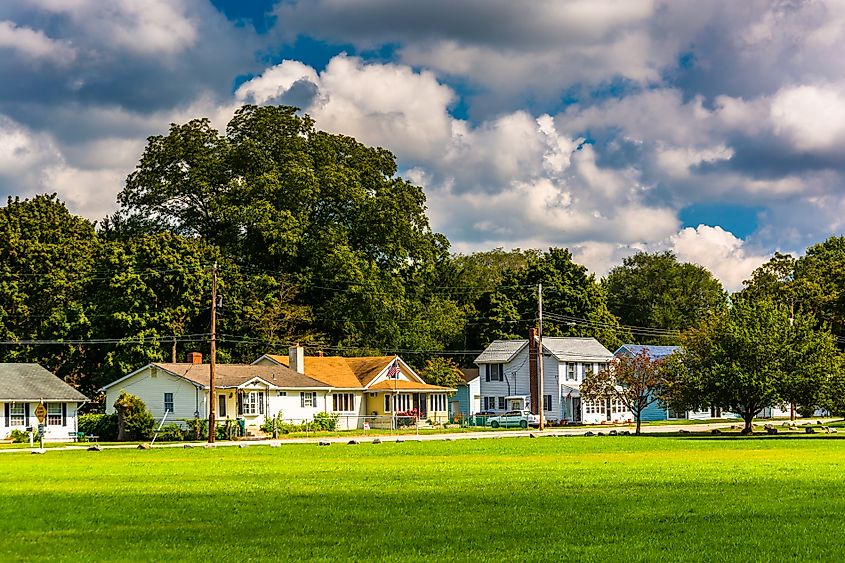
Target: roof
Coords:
[[500, 351], [469, 374], [342, 372], [565, 349], [234, 375], [20, 382], [654, 352], [402, 385]]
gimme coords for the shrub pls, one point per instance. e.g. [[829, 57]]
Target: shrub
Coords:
[[134, 421], [197, 429], [324, 421], [98, 424], [171, 433], [19, 436], [272, 425]]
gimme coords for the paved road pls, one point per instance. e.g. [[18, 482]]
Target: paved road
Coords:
[[657, 429]]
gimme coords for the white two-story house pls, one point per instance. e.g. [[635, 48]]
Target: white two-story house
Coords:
[[507, 376]]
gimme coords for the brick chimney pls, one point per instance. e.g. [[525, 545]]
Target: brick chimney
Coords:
[[194, 358], [533, 379], [296, 358]]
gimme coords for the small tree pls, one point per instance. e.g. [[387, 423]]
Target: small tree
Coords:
[[635, 381], [443, 372], [134, 421]]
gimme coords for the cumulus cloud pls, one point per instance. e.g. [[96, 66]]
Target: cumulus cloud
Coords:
[[34, 44]]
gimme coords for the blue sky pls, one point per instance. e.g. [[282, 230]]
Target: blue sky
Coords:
[[713, 129]]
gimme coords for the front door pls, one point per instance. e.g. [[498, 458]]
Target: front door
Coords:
[[576, 409]]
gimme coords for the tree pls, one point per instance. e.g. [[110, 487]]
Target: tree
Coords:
[[747, 358], [575, 304], [134, 421], [657, 291], [636, 381], [443, 372]]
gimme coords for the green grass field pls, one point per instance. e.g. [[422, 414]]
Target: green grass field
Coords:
[[515, 499]]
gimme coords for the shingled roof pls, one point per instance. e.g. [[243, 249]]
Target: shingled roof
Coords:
[[31, 382], [343, 372], [565, 349]]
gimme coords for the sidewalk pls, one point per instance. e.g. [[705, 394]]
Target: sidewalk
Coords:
[[362, 438]]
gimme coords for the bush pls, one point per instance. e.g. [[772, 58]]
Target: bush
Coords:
[[324, 421], [97, 424], [19, 436], [134, 421], [171, 433], [197, 429]]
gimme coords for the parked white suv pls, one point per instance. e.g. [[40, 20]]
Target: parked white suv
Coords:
[[523, 419]]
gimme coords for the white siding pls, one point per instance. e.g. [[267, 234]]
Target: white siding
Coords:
[[188, 401], [54, 432]]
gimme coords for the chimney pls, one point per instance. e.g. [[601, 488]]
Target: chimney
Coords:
[[532, 370], [194, 358], [296, 355]]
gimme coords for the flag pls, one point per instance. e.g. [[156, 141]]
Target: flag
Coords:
[[393, 371]]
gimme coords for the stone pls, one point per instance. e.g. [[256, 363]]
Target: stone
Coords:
[[39, 451], [771, 430], [810, 430], [352, 442], [832, 430], [819, 422], [143, 446], [716, 432], [209, 446], [188, 446], [683, 431], [376, 441], [613, 433], [625, 433], [589, 433], [95, 448], [324, 443], [532, 435], [399, 440], [243, 445], [600, 434]]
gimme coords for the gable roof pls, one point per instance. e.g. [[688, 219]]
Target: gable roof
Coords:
[[22, 382], [564, 348], [343, 372], [469, 374], [654, 352], [232, 375]]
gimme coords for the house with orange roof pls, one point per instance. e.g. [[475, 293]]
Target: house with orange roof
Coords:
[[379, 390]]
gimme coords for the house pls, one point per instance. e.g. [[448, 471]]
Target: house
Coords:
[[461, 402], [509, 378], [656, 411], [248, 392], [372, 389], [23, 387]]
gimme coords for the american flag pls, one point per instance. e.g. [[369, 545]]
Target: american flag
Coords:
[[393, 371]]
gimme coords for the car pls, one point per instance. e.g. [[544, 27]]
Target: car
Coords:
[[523, 419]]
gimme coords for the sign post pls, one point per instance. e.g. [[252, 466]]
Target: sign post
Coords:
[[41, 415]]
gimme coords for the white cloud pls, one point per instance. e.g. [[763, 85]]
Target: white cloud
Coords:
[[811, 116], [718, 250], [34, 44]]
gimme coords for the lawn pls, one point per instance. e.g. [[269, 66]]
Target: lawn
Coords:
[[516, 499]]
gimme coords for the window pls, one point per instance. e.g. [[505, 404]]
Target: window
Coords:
[[168, 402], [17, 414], [495, 372], [54, 414], [343, 402], [308, 399], [386, 403], [588, 370], [547, 402], [221, 405], [253, 402], [438, 402], [570, 372], [501, 403], [402, 402], [490, 403], [282, 394]]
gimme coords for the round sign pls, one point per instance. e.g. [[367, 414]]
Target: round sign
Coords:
[[41, 413]]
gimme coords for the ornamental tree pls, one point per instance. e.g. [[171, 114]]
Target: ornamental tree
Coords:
[[635, 381]]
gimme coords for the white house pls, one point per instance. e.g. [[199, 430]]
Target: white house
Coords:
[[250, 392], [508, 379], [23, 387]]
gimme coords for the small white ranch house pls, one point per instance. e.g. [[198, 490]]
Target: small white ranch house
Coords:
[[23, 386]]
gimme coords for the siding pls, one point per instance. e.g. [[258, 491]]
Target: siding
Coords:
[[188, 401], [54, 433]]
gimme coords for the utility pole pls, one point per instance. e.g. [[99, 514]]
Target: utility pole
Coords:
[[540, 356], [791, 324], [212, 360]]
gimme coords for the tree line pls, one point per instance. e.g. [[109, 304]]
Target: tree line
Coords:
[[317, 240]]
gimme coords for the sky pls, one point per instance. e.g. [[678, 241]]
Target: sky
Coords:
[[714, 129]]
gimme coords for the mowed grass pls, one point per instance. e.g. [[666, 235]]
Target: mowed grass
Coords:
[[513, 499]]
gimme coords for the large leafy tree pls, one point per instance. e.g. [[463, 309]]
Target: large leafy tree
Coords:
[[46, 258], [575, 304], [636, 381], [657, 291], [750, 357]]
